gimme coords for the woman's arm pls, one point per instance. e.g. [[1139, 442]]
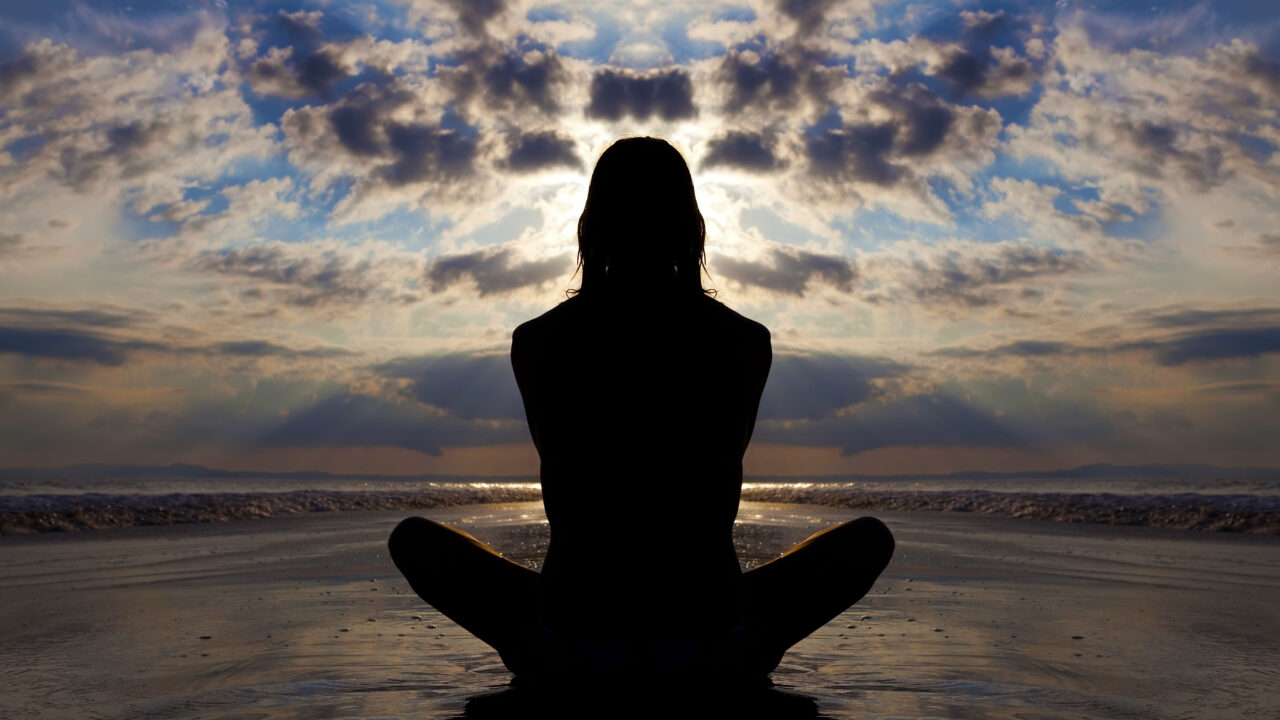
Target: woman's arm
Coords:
[[523, 363], [760, 359]]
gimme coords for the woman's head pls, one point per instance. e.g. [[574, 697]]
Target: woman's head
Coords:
[[641, 222]]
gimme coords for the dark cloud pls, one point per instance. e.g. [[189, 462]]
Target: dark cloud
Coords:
[[1213, 345], [966, 281], [500, 78], [854, 153], [295, 74], [473, 15], [366, 124], [783, 79], [745, 150], [426, 152], [349, 420], [1021, 348], [262, 348], [1153, 151], [123, 148], [327, 279], [533, 151], [75, 344], [10, 243], [1262, 68], [468, 386], [919, 420], [1204, 345], [67, 345], [985, 74], [814, 386], [87, 318], [790, 271], [16, 75], [358, 118], [1269, 241], [808, 14], [618, 93], [1182, 318], [920, 123], [493, 271]]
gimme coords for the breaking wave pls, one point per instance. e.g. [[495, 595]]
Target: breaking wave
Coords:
[[52, 513], [1189, 511], [1185, 511]]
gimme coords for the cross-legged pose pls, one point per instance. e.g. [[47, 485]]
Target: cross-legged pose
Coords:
[[641, 393]]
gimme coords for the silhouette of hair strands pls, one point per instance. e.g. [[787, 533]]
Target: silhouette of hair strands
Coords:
[[641, 227]]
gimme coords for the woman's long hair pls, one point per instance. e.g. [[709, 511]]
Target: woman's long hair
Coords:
[[641, 215]]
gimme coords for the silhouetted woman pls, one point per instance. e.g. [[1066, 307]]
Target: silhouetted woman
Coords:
[[641, 394]]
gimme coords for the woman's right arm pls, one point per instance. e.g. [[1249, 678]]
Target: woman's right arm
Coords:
[[523, 364], [760, 359]]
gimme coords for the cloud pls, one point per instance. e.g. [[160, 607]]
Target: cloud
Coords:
[[1224, 318], [1168, 125], [790, 79], [87, 345], [288, 74], [528, 152], [743, 150], [789, 271], [936, 419], [118, 125], [1201, 345], [812, 386], [388, 138], [467, 386], [893, 141], [317, 275], [11, 243], [104, 317], [492, 77], [976, 68], [1020, 349], [354, 420], [263, 348], [1220, 344], [65, 345], [967, 275], [494, 271], [615, 94]]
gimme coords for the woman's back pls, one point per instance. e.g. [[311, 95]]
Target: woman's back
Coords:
[[641, 395], [641, 410]]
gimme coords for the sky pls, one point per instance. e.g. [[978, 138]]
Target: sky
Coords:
[[297, 235]]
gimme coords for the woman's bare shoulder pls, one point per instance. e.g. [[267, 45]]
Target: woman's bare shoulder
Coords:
[[741, 324], [547, 321]]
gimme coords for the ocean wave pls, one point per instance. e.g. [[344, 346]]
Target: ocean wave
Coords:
[[1185, 511], [1225, 513], [58, 513]]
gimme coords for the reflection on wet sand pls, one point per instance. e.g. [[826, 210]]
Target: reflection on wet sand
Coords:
[[977, 617]]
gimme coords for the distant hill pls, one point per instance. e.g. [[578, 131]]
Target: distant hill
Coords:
[[1097, 470], [182, 470]]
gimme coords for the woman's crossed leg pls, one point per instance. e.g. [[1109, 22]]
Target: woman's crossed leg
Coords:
[[785, 599]]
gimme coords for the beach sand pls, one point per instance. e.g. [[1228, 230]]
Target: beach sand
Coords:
[[305, 616]]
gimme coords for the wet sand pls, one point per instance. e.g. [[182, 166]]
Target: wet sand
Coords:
[[304, 616]]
